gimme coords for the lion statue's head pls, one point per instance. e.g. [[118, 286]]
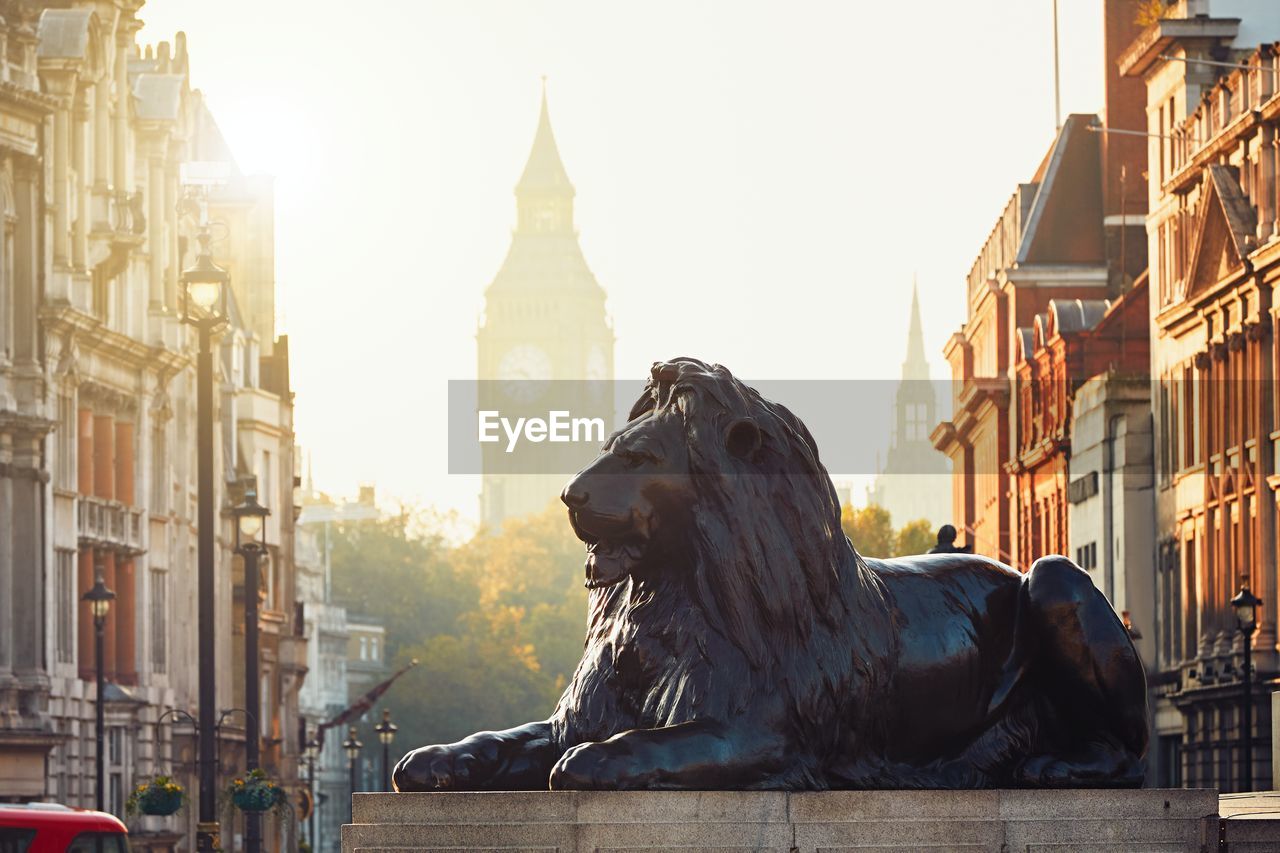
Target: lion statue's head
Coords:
[[712, 488]]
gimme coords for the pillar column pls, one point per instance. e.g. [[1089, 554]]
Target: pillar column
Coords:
[[104, 451], [80, 158], [1266, 194], [124, 479], [102, 137], [120, 143], [155, 232], [61, 187], [84, 453], [173, 257], [29, 564], [27, 265], [1275, 177]]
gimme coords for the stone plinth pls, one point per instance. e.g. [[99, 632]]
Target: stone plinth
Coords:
[[1155, 821]]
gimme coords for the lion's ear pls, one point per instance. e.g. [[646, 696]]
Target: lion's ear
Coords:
[[742, 438]]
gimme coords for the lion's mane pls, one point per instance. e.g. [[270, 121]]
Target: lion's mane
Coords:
[[776, 584]]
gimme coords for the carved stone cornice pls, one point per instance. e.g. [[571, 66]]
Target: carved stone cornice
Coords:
[[107, 398]]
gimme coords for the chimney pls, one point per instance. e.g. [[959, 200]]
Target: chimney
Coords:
[[1125, 108]]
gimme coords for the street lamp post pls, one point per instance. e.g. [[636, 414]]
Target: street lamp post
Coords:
[[387, 734], [204, 305], [353, 746], [1246, 606], [99, 599], [312, 753], [250, 544]]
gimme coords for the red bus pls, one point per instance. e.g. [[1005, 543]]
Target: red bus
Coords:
[[50, 828]]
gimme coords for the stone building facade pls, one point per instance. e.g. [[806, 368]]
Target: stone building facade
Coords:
[[1212, 114], [98, 421]]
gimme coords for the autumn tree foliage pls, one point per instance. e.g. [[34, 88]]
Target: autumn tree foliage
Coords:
[[496, 623]]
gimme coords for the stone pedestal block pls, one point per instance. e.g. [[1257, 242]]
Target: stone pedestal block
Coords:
[[1149, 821]]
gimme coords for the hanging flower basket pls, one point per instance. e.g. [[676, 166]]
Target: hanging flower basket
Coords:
[[160, 797], [254, 792]]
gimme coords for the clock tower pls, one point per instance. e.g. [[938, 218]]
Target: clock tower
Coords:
[[544, 319]]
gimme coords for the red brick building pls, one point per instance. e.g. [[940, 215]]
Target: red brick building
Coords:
[[1071, 236]]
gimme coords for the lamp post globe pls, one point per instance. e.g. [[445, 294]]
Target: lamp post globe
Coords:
[[353, 746], [204, 287], [1246, 604], [99, 599], [386, 734], [251, 519]]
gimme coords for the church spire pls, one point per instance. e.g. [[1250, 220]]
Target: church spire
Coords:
[[544, 172], [916, 366]]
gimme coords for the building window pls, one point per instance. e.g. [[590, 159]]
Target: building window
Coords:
[[115, 769], [373, 649], [1087, 556], [364, 648], [68, 611], [159, 624], [1170, 750]]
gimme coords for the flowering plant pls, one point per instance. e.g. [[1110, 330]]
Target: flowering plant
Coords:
[[255, 792], [161, 796]]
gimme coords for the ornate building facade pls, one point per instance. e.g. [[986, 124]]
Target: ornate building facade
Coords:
[[98, 421], [915, 482], [544, 321], [1213, 114]]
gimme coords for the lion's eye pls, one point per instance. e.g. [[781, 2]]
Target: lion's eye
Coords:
[[634, 457]]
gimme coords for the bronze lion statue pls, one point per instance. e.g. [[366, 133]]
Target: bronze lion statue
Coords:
[[737, 640]]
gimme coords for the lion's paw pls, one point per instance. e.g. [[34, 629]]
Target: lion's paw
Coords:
[[590, 766], [435, 768]]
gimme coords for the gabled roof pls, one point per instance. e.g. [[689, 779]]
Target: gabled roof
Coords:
[[544, 172], [1065, 224], [1224, 234]]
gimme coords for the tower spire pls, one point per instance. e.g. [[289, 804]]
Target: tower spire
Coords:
[[916, 366], [544, 173]]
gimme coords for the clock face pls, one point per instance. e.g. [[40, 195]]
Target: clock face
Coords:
[[522, 369]]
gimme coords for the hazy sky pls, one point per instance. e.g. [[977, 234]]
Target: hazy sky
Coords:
[[757, 181]]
